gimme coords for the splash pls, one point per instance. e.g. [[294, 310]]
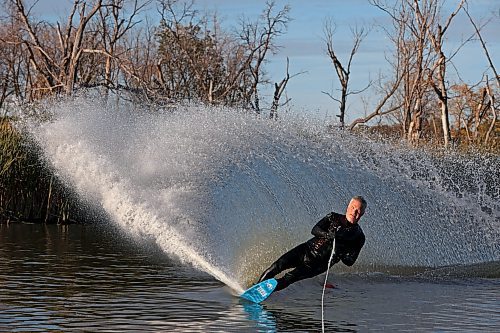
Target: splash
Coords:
[[228, 192]]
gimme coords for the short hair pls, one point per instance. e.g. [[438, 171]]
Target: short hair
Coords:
[[362, 200]]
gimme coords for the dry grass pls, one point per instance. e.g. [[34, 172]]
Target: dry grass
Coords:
[[28, 190]]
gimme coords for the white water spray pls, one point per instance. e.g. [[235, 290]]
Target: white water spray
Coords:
[[228, 192], [94, 177]]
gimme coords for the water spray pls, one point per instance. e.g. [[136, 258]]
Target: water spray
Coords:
[[181, 177]]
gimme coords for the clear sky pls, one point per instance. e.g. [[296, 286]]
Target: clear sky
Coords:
[[304, 45]]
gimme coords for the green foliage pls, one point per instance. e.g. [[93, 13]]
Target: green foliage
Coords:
[[10, 148], [28, 190]]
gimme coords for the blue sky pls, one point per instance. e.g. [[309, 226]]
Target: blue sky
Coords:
[[304, 45]]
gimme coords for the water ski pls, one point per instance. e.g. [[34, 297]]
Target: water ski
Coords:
[[260, 291]]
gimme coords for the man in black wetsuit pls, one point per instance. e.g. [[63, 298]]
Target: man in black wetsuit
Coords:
[[311, 258]]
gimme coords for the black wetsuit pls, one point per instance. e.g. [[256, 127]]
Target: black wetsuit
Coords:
[[311, 258]]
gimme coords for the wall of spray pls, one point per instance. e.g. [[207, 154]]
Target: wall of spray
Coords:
[[228, 192]]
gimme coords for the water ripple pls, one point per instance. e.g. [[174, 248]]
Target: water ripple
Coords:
[[114, 285]]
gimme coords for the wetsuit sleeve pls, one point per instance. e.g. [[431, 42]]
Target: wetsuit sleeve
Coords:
[[321, 228], [350, 256]]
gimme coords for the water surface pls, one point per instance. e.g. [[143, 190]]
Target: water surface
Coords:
[[96, 278]]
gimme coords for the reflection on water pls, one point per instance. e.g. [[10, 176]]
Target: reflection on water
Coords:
[[78, 278]]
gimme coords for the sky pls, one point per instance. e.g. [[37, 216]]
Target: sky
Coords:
[[304, 45]]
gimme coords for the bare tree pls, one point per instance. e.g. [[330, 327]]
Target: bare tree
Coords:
[[483, 44], [87, 50], [379, 108], [279, 88], [57, 67], [113, 25], [493, 110], [343, 70], [14, 76], [474, 109], [193, 64], [139, 65], [409, 35], [436, 32], [259, 37]]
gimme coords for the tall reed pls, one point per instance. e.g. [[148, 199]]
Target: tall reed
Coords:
[[28, 189]]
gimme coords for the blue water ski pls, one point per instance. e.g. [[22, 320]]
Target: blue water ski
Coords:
[[259, 292]]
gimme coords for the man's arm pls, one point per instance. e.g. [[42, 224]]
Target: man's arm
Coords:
[[321, 228], [349, 257]]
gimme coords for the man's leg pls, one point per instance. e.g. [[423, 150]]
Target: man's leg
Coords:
[[291, 259], [300, 273]]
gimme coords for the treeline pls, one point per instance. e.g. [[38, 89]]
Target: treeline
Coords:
[[114, 46], [418, 101], [182, 54]]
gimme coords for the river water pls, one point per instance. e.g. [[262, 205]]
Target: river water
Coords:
[[95, 278], [190, 205]]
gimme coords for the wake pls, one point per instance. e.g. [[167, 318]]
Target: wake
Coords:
[[227, 192]]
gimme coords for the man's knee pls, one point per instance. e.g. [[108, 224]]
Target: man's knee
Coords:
[[288, 279], [270, 272], [282, 284]]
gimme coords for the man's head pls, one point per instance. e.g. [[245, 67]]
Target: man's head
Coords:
[[355, 209]]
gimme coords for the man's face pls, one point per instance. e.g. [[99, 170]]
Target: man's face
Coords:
[[354, 212]]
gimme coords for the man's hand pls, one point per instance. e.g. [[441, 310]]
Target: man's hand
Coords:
[[331, 232]]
